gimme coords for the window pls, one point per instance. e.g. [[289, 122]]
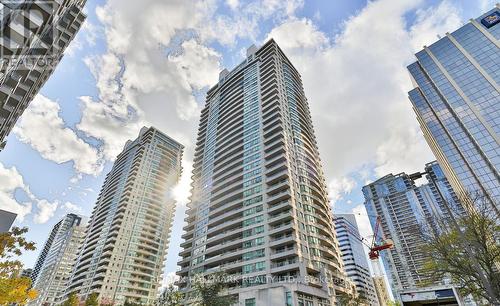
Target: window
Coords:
[[288, 298], [252, 201], [305, 300], [259, 229], [259, 266], [251, 191], [259, 241], [253, 220], [252, 182], [253, 242], [253, 254], [250, 302], [252, 210]]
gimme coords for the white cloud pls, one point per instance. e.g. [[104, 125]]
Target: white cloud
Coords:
[[11, 182], [245, 21], [338, 188], [299, 35], [46, 210], [363, 221], [485, 5], [182, 190], [199, 63], [432, 22], [155, 61], [357, 86], [70, 207], [168, 279], [44, 130], [233, 4]]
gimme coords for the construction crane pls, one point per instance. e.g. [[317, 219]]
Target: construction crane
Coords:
[[375, 247]]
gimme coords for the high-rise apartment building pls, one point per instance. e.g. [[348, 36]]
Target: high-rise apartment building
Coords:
[[7, 218], [26, 272], [354, 256], [57, 234], [445, 200], [403, 207], [259, 209], [33, 37], [123, 254], [457, 102], [57, 260]]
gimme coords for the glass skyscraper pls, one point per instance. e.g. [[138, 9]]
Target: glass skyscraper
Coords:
[[403, 208], [54, 265], [259, 209], [122, 256], [354, 256], [457, 102], [33, 37]]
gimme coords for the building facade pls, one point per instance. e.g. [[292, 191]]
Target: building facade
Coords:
[[26, 272], [457, 102], [54, 236], [122, 257], [34, 35], [354, 256], [7, 218], [259, 209], [58, 260], [403, 208]]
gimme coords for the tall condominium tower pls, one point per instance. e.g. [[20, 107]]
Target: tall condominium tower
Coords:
[[457, 102], [34, 35], [57, 234], [259, 209], [354, 256], [127, 237], [445, 198], [403, 207], [54, 266]]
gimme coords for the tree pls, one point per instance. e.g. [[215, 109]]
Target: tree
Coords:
[[466, 247], [13, 287], [72, 300], [130, 303], [107, 302], [92, 300], [352, 300], [208, 290], [170, 297]]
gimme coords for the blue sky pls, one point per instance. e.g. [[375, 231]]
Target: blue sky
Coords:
[[150, 62]]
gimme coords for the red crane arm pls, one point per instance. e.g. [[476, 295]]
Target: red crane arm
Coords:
[[375, 232]]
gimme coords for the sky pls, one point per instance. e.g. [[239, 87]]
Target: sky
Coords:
[[150, 63]]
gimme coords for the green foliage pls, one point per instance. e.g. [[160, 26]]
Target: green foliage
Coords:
[[170, 297], [208, 290], [467, 248], [130, 303], [92, 300], [72, 300], [13, 287], [352, 300]]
